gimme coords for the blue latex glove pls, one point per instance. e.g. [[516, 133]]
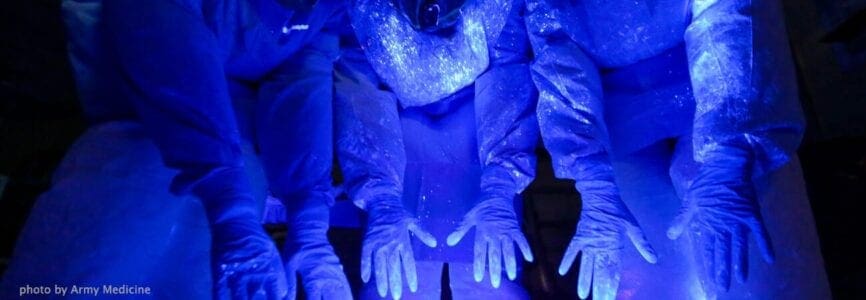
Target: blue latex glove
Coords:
[[386, 245], [308, 253], [245, 263], [720, 210], [605, 224], [496, 232]]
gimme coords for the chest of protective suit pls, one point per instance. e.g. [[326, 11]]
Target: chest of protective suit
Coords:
[[443, 172], [255, 36], [617, 33], [423, 67]]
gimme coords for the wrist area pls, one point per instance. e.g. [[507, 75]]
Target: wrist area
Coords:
[[729, 156], [593, 174], [236, 230], [384, 202], [373, 190], [308, 223], [724, 172], [386, 208], [600, 196], [495, 208], [503, 182], [227, 197]]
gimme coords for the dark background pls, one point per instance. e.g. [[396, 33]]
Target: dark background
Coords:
[[40, 117]]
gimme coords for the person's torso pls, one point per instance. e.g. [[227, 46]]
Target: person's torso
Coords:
[[638, 47], [443, 171], [616, 33], [425, 67], [254, 37]]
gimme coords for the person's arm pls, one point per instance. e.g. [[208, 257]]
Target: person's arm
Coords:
[[372, 159], [747, 123], [505, 118], [743, 80], [571, 118], [174, 68], [294, 131], [507, 133], [294, 125], [369, 135], [172, 63]]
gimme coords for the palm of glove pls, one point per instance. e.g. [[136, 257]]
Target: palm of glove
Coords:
[[245, 263], [720, 211], [496, 232], [319, 267], [605, 223], [387, 246]]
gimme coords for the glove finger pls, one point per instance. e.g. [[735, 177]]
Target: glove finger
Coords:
[[523, 245], [380, 263], [341, 292], [256, 288], [239, 288], [366, 264], [395, 276], [723, 261], [510, 259], [494, 260], [314, 290], [274, 291], [740, 252], [461, 231], [584, 277], [641, 243], [570, 254], [680, 223], [480, 250], [338, 292], [422, 235], [762, 237], [408, 259], [605, 276], [222, 290], [467, 223], [277, 284], [704, 247]]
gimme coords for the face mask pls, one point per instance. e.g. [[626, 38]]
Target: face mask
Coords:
[[431, 15]]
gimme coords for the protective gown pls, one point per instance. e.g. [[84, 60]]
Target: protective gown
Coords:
[[435, 130], [179, 94], [692, 100]]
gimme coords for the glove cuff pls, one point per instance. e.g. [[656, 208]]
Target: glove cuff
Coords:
[[496, 182], [226, 195], [308, 221], [594, 174], [373, 191]]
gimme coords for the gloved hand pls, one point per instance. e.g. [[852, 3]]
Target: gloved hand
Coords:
[[720, 209], [604, 224], [496, 231], [308, 253], [245, 263], [386, 245]]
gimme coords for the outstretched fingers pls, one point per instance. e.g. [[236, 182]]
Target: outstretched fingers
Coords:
[[458, 234], [494, 265], [584, 277], [570, 255], [641, 243], [422, 235]]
